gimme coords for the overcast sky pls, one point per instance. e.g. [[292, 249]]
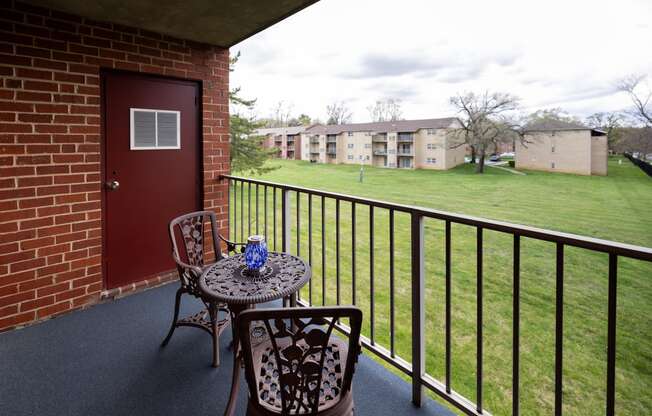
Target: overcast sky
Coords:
[[550, 53]]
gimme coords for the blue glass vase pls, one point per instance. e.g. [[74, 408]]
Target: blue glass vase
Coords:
[[255, 252]]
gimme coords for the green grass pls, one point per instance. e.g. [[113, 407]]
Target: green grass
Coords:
[[616, 207]]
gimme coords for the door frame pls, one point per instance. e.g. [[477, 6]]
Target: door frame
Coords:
[[104, 72]]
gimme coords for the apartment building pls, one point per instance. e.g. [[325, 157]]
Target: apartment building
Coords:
[[556, 146], [408, 144], [286, 139]]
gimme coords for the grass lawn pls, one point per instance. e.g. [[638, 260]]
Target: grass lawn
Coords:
[[617, 207]]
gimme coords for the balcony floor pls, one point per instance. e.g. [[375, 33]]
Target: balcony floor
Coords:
[[106, 360]]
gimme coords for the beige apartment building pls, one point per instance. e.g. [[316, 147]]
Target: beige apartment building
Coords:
[[420, 144], [563, 147], [286, 139]]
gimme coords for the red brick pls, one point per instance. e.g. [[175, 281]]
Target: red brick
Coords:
[[53, 289], [36, 243], [35, 284], [46, 251], [37, 303], [33, 73], [15, 320], [35, 202], [53, 310], [56, 230], [16, 298]]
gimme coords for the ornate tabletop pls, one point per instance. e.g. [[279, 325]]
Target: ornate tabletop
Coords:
[[228, 280]]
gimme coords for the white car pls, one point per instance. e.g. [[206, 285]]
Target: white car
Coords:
[[507, 154]]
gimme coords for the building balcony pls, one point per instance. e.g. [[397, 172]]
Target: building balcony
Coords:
[[405, 153], [380, 152], [106, 359], [314, 152], [379, 138], [314, 141], [331, 152], [405, 138]]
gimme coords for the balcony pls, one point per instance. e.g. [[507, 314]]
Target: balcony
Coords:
[[331, 153], [314, 141], [106, 360], [405, 138], [380, 152], [379, 138], [405, 153], [314, 151], [331, 138]]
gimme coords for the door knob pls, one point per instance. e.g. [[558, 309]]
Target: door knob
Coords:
[[113, 185]]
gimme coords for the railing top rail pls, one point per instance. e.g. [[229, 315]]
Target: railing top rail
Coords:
[[596, 244]]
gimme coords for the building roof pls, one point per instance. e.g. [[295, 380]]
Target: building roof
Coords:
[[281, 130], [408, 126], [559, 125]]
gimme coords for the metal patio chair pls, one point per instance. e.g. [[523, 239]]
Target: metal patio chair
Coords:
[[189, 231], [299, 367]]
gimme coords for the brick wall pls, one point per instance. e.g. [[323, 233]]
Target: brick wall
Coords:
[[50, 144]]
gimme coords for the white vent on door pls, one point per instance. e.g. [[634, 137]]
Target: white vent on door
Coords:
[[155, 129]]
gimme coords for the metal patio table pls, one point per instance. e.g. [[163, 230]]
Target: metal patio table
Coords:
[[228, 281]]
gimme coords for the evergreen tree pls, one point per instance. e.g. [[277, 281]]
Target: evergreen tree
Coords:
[[247, 152]]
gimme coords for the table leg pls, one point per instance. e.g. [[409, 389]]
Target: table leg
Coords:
[[293, 300], [237, 360]]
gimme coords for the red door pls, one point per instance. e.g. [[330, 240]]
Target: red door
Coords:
[[151, 171]]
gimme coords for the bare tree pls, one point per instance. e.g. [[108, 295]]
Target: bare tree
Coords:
[[485, 121], [386, 110], [610, 122], [281, 114], [338, 113], [641, 95]]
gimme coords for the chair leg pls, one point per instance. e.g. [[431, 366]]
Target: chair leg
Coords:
[[213, 312], [177, 302]]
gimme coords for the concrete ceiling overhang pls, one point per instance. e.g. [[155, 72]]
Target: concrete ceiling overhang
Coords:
[[217, 22]]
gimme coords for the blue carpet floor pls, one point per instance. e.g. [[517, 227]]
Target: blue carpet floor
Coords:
[[106, 361]]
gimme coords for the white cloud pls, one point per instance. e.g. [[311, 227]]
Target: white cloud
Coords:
[[553, 53]]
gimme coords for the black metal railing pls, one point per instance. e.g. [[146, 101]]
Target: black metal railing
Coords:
[[290, 199]]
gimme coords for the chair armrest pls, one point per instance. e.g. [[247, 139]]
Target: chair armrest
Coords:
[[231, 245], [195, 269]]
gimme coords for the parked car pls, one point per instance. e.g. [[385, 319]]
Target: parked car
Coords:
[[494, 158], [507, 154]]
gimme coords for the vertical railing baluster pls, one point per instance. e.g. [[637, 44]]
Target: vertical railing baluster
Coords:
[[559, 329], [298, 224], [611, 335], [310, 245], [242, 211], [285, 220], [479, 285], [323, 250], [516, 310], [235, 211], [392, 348], [257, 218], [265, 212], [274, 217], [337, 250], [353, 253], [418, 309], [371, 273], [249, 208], [448, 306]]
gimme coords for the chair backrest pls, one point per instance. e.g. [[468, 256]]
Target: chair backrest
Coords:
[[188, 230], [301, 352]]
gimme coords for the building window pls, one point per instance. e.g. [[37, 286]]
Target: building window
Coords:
[[431, 160], [552, 165], [349, 157], [350, 145], [350, 133], [432, 131], [552, 150], [154, 129], [367, 157]]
